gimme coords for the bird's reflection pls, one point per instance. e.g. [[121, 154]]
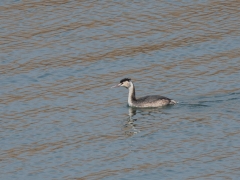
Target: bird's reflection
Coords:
[[129, 126], [131, 112]]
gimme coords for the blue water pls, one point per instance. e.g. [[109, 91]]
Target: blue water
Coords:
[[61, 120]]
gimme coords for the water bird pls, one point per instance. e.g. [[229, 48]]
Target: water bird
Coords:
[[143, 102]]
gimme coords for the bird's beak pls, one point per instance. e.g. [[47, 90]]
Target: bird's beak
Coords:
[[117, 85]]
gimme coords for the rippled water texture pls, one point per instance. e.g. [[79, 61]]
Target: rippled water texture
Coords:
[[60, 119]]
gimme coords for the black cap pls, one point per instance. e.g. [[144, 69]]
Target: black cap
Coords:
[[125, 79]]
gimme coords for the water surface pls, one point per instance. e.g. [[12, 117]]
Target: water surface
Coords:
[[60, 119]]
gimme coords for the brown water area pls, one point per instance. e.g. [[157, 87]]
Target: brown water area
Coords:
[[61, 120]]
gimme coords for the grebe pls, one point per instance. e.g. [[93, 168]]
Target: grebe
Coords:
[[146, 101]]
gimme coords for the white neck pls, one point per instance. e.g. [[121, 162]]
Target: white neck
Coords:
[[131, 94]]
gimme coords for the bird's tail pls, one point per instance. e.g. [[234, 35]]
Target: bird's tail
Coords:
[[173, 102]]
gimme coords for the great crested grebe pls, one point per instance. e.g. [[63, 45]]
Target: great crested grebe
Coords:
[[146, 101]]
